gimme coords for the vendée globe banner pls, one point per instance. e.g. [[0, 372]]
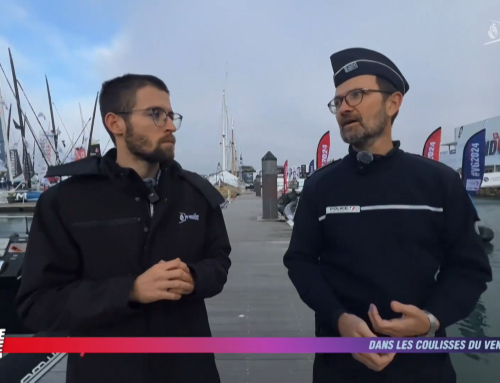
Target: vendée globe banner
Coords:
[[473, 162], [432, 145], [250, 345]]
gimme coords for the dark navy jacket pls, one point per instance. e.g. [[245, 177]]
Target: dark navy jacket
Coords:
[[381, 232], [92, 236]]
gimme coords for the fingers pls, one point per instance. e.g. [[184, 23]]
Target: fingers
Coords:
[[392, 327], [403, 309], [364, 331], [177, 274], [376, 362], [176, 286], [173, 264], [179, 291], [168, 272], [169, 296]]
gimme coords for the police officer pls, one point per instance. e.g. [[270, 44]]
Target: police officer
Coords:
[[384, 241]]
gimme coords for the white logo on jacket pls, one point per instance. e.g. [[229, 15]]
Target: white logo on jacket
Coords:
[[183, 217]]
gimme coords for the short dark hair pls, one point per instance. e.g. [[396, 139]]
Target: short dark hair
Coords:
[[386, 86], [118, 94]]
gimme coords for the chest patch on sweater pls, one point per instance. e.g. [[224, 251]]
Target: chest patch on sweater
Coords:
[[183, 217], [342, 209]]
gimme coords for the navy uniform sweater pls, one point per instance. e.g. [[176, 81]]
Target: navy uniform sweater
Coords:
[[382, 233]]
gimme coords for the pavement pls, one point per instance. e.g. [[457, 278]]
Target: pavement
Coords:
[[258, 301]]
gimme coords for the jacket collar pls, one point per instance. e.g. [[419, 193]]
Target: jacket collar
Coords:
[[109, 165], [100, 166], [377, 157], [106, 166]]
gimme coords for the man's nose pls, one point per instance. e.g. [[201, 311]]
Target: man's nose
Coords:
[[169, 126], [344, 108]]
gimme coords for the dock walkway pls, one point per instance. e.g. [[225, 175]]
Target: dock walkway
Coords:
[[258, 301]]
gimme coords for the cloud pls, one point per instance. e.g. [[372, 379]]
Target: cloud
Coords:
[[279, 74], [280, 78]]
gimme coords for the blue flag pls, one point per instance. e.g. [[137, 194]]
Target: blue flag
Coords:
[[311, 167], [473, 161]]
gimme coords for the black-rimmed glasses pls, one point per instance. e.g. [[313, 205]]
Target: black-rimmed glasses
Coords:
[[159, 116], [352, 98]]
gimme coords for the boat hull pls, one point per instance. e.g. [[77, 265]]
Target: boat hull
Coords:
[[23, 196]]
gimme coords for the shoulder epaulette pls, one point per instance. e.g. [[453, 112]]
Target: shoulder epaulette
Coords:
[[324, 167]]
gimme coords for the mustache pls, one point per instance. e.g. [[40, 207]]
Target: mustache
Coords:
[[170, 139], [347, 120]]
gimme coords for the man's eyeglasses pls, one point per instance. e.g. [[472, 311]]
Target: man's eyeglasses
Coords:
[[352, 98], [159, 116]]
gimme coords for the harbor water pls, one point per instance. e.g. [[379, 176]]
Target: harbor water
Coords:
[[484, 321]]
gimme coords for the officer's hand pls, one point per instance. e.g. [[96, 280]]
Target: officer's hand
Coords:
[[155, 283], [351, 326], [413, 322]]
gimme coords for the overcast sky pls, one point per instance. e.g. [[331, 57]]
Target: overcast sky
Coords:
[[277, 55]]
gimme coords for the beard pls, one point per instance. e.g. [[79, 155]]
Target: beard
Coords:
[[139, 145], [367, 132]]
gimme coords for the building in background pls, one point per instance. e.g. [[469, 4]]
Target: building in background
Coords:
[[451, 153]]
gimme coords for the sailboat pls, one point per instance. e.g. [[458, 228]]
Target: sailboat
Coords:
[[24, 190], [25, 178], [230, 169]]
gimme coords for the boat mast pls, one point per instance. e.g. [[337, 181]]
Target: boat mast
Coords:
[[58, 161], [233, 154], [92, 124], [8, 126], [226, 133], [83, 126], [21, 122], [5, 137], [223, 131]]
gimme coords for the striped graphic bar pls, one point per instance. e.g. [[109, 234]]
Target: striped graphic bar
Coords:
[[251, 345]]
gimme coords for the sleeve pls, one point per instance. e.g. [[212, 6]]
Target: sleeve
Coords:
[[53, 296], [465, 269], [210, 274], [302, 260], [476, 215]]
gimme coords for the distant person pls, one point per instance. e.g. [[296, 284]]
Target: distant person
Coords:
[[130, 246], [374, 228]]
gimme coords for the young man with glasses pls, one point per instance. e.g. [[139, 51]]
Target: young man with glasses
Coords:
[[129, 246], [373, 229]]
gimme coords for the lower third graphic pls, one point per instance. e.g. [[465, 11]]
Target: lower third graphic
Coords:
[[2, 338]]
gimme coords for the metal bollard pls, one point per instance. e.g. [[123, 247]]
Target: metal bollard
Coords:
[[269, 186]]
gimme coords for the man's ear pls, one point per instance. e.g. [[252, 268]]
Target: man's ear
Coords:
[[115, 124], [394, 103]]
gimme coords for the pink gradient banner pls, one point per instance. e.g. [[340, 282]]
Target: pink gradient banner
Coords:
[[250, 345]]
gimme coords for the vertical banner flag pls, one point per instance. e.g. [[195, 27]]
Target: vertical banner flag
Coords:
[[432, 145], [95, 149], [80, 153], [285, 177], [303, 171], [473, 162], [323, 150], [311, 167]]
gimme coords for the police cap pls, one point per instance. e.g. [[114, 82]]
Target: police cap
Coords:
[[355, 62]]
